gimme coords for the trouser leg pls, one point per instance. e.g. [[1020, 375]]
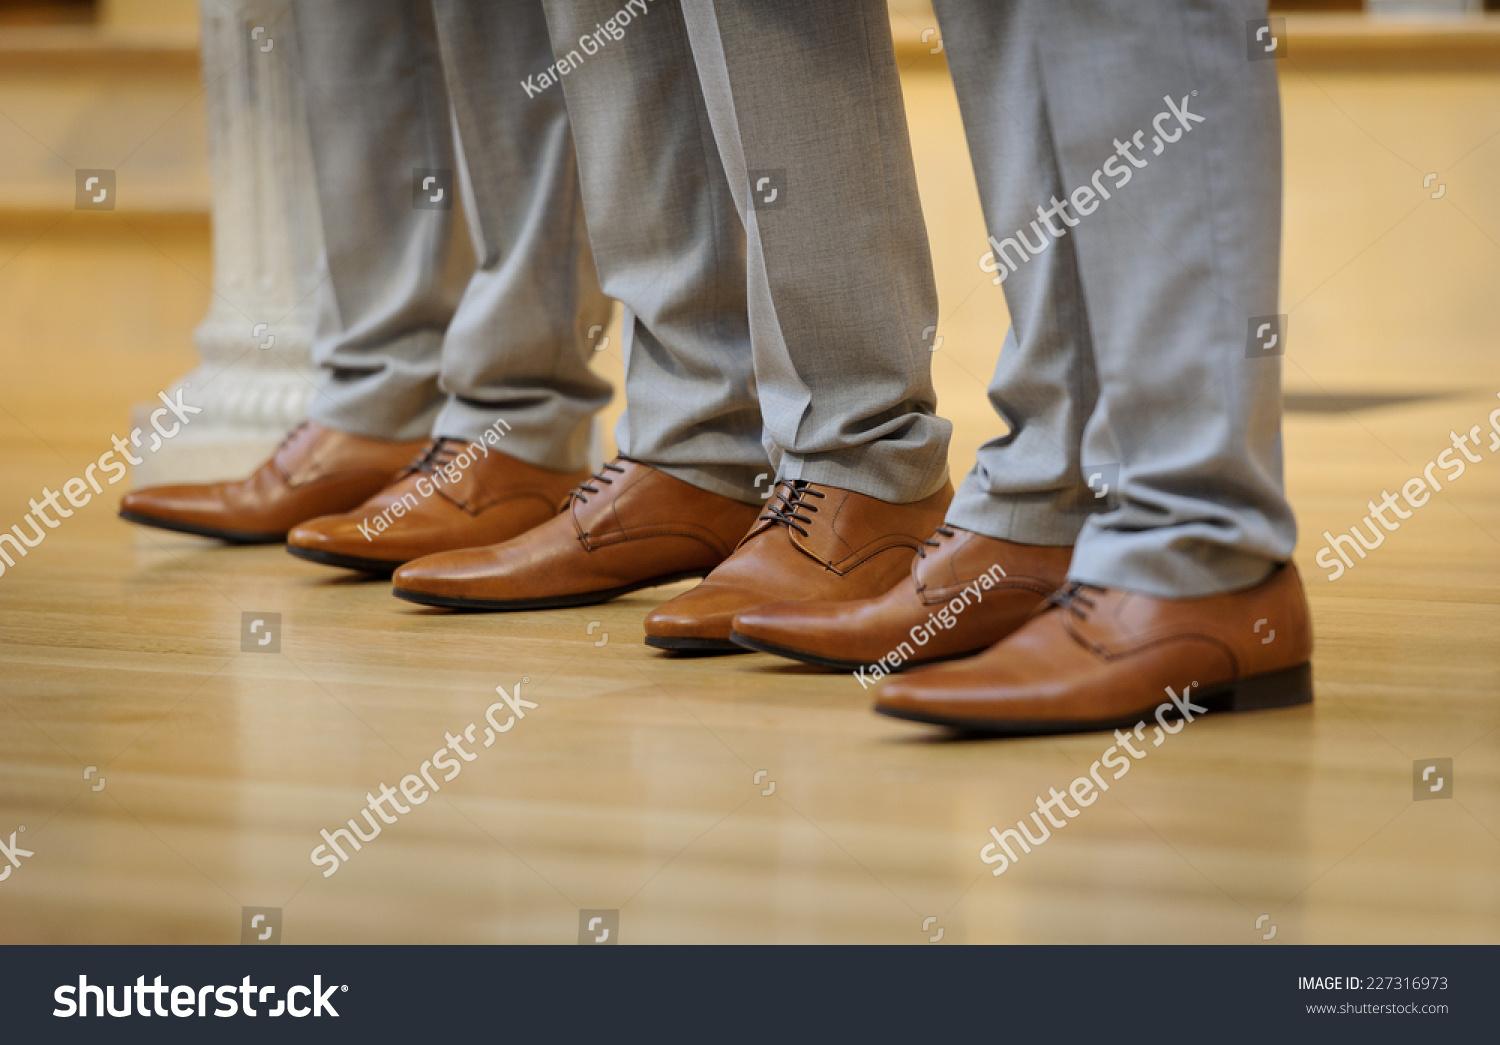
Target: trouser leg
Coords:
[[519, 345], [1178, 248], [806, 106], [666, 239], [1027, 484], [378, 111]]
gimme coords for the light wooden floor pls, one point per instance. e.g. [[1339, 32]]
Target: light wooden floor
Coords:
[[633, 785]]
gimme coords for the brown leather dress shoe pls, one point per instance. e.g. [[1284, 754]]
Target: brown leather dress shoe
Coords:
[[495, 497], [1102, 658], [811, 542], [629, 527], [964, 592], [313, 472]]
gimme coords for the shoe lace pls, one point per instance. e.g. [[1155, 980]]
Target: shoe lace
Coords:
[[1071, 597], [933, 542], [436, 454], [290, 435], [601, 476], [793, 500]]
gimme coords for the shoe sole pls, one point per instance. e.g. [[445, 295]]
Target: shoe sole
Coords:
[[546, 602], [379, 567], [851, 666], [230, 536], [693, 645], [1274, 689]]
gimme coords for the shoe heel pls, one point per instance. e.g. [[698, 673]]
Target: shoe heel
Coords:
[[1275, 689]]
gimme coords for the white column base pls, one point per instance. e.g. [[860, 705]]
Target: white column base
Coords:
[[256, 380]]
